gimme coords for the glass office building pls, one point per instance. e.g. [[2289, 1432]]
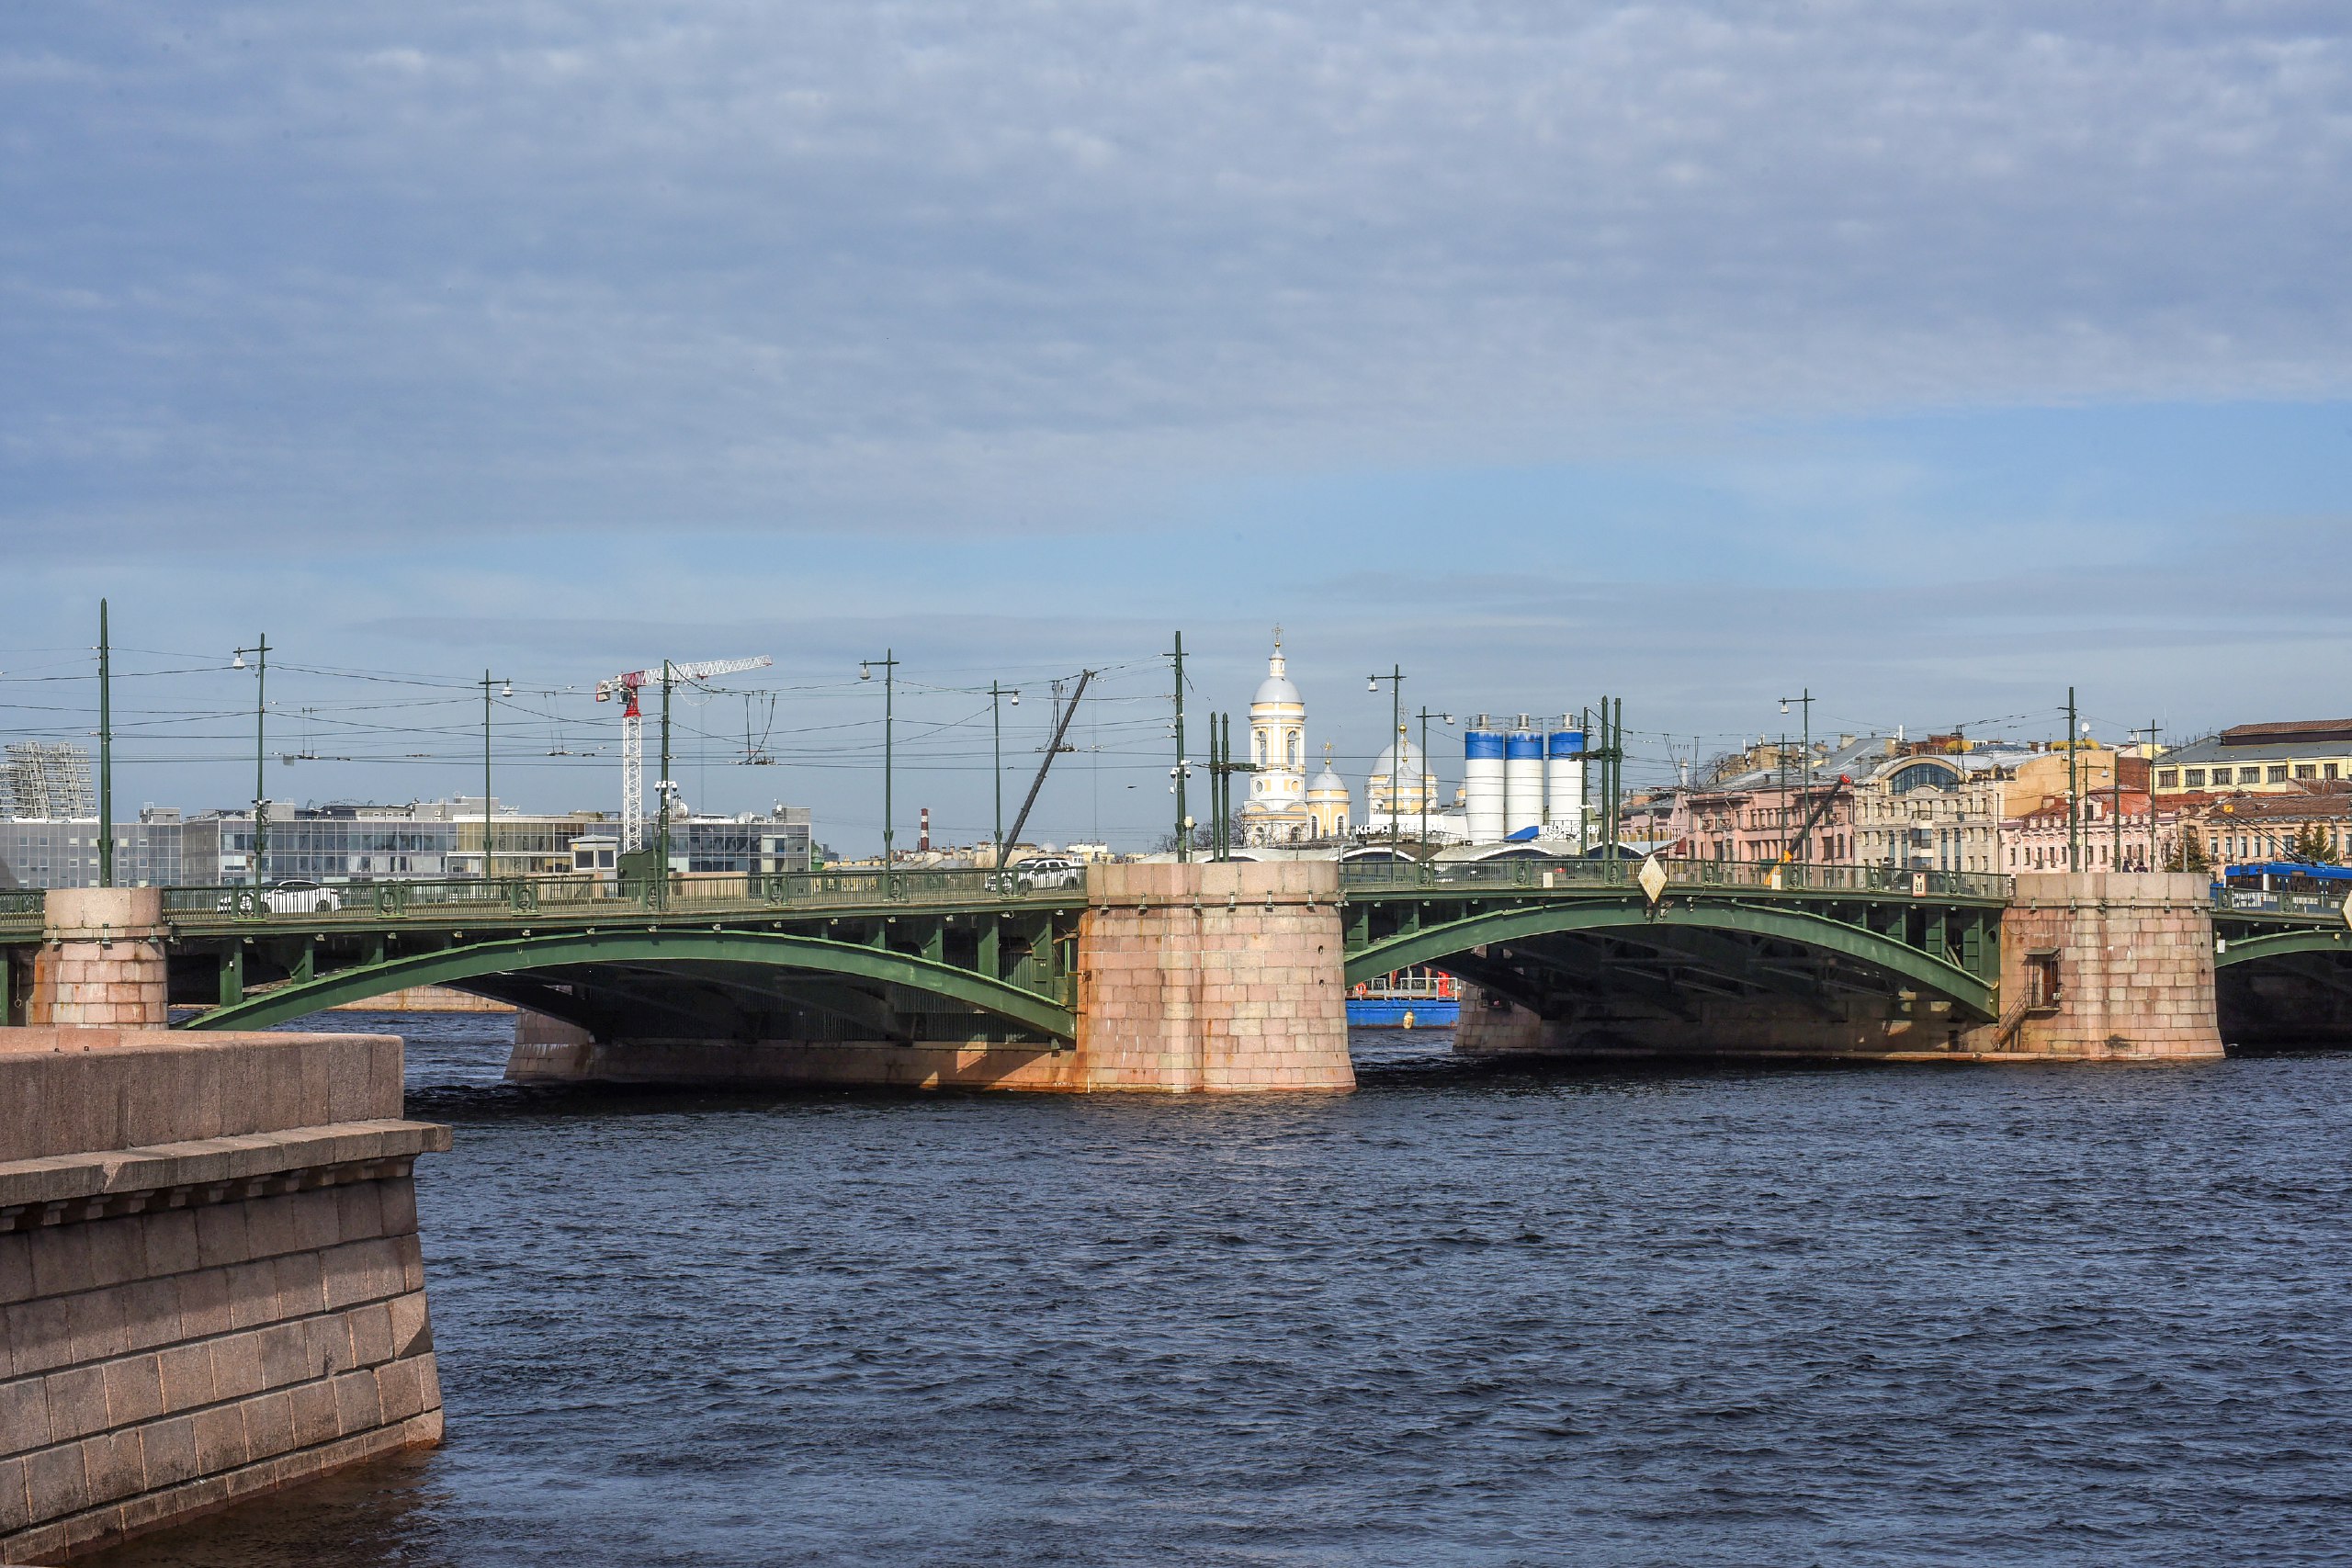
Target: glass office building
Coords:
[[424, 842], [63, 851]]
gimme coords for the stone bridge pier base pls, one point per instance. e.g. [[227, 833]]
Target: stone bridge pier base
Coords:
[[1224, 978], [1218, 979], [2094, 966], [100, 964], [2107, 966]]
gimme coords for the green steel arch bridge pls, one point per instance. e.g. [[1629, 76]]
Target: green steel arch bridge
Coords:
[[984, 956]]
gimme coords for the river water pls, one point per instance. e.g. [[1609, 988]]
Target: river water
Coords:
[[1468, 1316]]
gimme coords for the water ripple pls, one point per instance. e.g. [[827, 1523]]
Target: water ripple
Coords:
[[1472, 1314]]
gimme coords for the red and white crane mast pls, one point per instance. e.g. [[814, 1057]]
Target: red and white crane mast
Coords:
[[627, 687]]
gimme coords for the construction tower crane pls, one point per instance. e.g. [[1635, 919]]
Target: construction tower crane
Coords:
[[627, 687]]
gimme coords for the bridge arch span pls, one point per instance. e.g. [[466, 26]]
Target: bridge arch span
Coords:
[[1971, 996], [490, 966]]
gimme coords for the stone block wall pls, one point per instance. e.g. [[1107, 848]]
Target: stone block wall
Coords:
[[101, 959], [2135, 955], [1226, 977], [210, 1285]]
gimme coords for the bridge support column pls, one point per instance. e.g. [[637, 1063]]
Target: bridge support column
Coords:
[[101, 960], [2110, 965], [1224, 978]]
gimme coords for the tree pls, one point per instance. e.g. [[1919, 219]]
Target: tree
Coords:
[[2188, 853], [1204, 836], [2313, 844]]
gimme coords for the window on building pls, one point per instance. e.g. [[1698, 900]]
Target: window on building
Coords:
[[2167, 778], [2196, 778], [2327, 770], [2306, 770], [2277, 773]]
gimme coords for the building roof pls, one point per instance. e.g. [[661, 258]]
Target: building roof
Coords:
[[1276, 687], [2320, 737], [1856, 761], [1414, 761], [2296, 808], [2287, 732]]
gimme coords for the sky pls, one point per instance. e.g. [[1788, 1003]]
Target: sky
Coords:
[[1929, 358]]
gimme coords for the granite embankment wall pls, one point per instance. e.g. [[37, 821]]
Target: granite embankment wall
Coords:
[[1219, 979], [209, 1279]]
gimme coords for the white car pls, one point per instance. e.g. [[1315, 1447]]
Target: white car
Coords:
[[1047, 871], [292, 897]]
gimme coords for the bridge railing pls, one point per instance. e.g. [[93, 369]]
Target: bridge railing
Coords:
[[21, 910], [2254, 901], [361, 903], [1536, 873]]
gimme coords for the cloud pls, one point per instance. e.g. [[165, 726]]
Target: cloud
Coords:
[[934, 268]]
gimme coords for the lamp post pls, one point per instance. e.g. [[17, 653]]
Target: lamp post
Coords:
[[105, 754], [260, 650], [996, 728], [488, 680], [1182, 770], [1395, 679], [1804, 835], [1426, 715], [889, 663]]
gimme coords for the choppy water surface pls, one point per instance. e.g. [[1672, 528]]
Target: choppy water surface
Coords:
[[1465, 1315]]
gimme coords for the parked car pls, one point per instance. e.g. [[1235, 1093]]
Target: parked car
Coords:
[[1049, 871], [293, 896]]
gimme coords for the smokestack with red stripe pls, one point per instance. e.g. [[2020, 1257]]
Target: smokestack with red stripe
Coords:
[[922, 838]]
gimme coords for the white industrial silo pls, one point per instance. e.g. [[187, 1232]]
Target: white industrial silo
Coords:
[[1563, 810], [1522, 781], [1482, 782]]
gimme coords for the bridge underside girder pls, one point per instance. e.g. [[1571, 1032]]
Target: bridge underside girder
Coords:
[[1568, 960], [2291, 986], [890, 980], [1592, 975]]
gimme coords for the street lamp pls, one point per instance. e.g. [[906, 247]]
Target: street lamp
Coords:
[[260, 651], [1444, 718], [889, 663], [1395, 679], [996, 725], [508, 689], [106, 751], [1805, 838]]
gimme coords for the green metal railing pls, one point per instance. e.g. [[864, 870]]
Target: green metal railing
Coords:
[[1534, 873], [21, 910], [2253, 901], [361, 903]]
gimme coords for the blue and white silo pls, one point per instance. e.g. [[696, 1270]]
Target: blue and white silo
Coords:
[[1522, 781], [1563, 810], [1482, 782]]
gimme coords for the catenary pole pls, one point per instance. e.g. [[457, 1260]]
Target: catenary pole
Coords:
[[663, 838], [105, 752], [1395, 679], [2073, 792], [260, 650], [996, 727], [1184, 823], [487, 862]]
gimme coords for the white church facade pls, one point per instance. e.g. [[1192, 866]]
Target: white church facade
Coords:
[[1285, 807]]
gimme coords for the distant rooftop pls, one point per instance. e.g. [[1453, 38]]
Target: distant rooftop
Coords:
[[2288, 733]]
